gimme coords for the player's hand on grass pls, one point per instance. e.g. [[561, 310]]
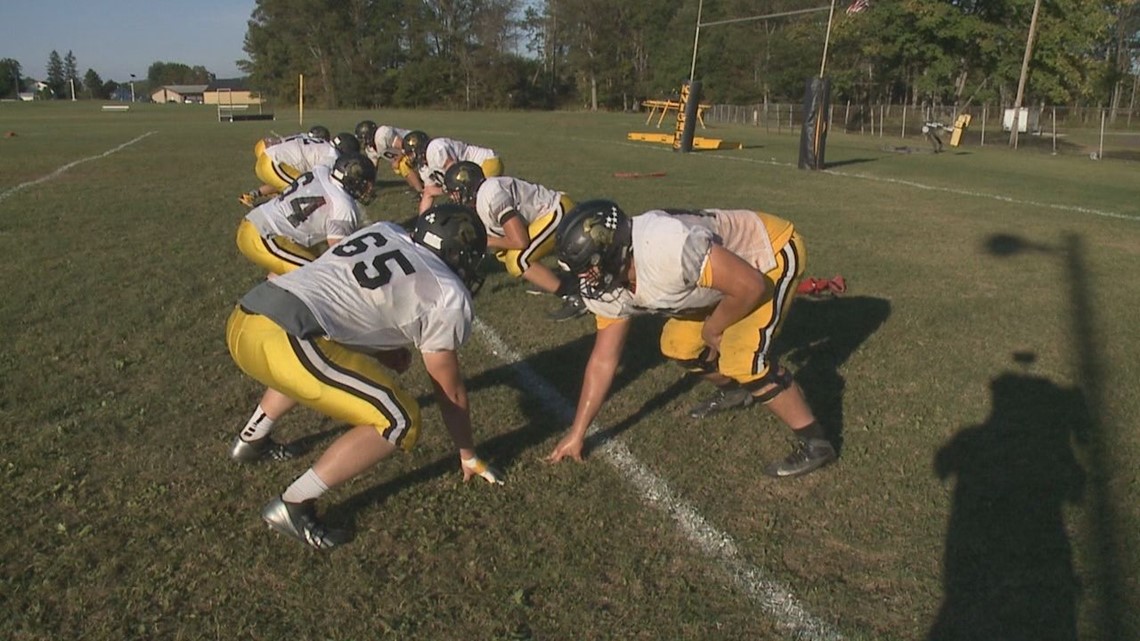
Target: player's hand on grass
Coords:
[[476, 466], [569, 447]]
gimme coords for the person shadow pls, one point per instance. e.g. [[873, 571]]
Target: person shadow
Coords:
[[819, 335], [1008, 564]]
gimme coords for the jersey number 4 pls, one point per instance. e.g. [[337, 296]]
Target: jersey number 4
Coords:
[[303, 206], [373, 270]]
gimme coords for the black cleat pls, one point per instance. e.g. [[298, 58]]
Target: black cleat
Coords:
[[572, 307], [723, 399], [263, 449], [807, 456]]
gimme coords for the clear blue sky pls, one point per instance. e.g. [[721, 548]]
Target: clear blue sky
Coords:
[[119, 37]]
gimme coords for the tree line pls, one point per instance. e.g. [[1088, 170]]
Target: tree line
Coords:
[[495, 54], [62, 76]]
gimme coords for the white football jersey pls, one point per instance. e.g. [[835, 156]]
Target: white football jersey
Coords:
[[385, 141], [303, 153], [311, 210], [378, 289], [671, 248], [498, 196], [440, 150]]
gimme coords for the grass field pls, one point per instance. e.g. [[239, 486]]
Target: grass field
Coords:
[[980, 374]]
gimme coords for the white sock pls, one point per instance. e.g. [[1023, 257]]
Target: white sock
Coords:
[[307, 487], [258, 426]]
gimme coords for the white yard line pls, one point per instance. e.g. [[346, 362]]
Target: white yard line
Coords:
[[917, 185], [61, 170], [949, 190], [776, 600]]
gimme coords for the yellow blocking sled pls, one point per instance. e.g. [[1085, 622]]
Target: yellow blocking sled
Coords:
[[698, 142]]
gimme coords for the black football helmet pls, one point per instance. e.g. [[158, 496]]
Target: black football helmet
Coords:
[[595, 243], [346, 143], [455, 234], [462, 181], [356, 173], [320, 132], [415, 147], [366, 134]]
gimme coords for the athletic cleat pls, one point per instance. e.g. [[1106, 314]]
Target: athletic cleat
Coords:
[[263, 449], [248, 200], [299, 520], [572, 307], [807, 456], [723, 399]]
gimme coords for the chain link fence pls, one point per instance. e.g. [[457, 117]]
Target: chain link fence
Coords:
[[1095, 132]]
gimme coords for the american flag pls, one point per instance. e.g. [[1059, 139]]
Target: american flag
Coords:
[[858, 6]]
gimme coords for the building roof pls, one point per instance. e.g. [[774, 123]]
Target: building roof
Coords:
[[184, 89]]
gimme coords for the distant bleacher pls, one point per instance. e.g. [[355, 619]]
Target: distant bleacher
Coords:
[[116, 107]]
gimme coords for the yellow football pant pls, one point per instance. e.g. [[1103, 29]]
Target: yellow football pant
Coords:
[[276, 175], [276, 254], [745, 345], [541, 244], [338, 382]]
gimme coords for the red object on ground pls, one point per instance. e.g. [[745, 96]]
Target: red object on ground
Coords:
[[822, 286]]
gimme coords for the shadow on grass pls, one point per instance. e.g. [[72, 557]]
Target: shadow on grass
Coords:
[[818, 336], [542, 380], [1025, 465], [1008, 565], [849, 161]]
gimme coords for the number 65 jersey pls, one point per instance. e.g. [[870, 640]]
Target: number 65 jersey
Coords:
[[378, 289], [313, 209]]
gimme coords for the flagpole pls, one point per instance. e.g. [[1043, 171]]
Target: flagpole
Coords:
[[827, 38], [696, 39]]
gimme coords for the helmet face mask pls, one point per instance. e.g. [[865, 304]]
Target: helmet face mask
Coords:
[[455, 234], [415, 147], [595, 243], [366, 134], [356, 174], [462, 182]]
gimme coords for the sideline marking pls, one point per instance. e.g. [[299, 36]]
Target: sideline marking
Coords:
[[950, 190], [61, 170], [918, 185], [773, 597]]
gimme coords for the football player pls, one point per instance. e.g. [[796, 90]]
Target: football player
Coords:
[[281, 164], [320, 132], [387, 143], [432, 157], [726, 279], [328, 335], [521, 218], [322, 206]]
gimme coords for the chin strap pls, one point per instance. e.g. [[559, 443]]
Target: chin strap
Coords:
[[822, 286]]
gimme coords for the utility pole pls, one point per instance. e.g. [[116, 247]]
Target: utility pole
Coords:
[[1024, 72]]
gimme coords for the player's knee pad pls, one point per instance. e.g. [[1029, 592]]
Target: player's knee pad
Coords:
[[770, 385]]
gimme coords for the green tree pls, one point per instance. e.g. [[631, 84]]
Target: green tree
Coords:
[[93, 85], [55, 75], [177, 73], [11, 78], [71, 74]]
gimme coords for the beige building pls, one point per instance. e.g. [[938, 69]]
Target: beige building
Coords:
[[179, 93], [232, 91]]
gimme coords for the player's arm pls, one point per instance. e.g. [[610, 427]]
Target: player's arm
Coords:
[[600, 369], [515, 233], [744, 289], [451, 396]]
